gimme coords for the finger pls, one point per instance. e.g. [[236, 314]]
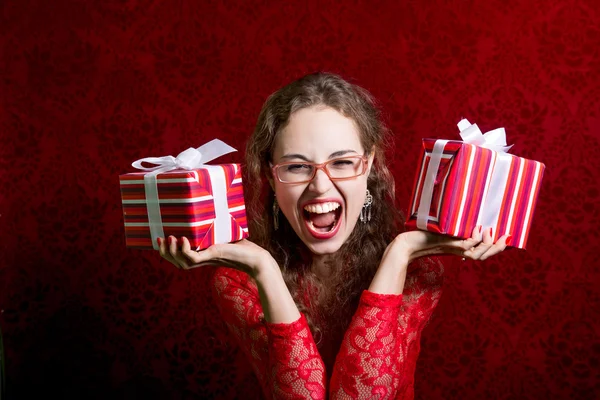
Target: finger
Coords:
[[498, 247], [481, 248], [206, 257], [172, 246], [488, 237], [164, 253], [487, 247], [476, 252], [476, 237], [451, 242], [175, 252], [162, 249], [220, 255], [476, 234], [192, 255], [471, 242]]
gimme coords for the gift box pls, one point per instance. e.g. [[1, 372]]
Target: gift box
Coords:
[[182, 196], [462, 184]]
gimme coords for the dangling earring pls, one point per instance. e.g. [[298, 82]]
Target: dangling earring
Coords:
[[365, 212], [275, 214]]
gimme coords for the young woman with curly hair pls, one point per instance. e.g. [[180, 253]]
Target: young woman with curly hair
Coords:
[[330, 296]]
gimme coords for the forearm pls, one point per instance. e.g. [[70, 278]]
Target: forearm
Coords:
[[275, 298], [283, 354], [367, 365], [294, 361], [389, 279], [391, 274]]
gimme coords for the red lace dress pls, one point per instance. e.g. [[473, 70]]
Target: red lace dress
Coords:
[[376, 359]]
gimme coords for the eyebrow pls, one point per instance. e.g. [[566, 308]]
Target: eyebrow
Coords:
[[339, 153]]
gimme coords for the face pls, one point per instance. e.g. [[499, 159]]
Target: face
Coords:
[[322, 212]]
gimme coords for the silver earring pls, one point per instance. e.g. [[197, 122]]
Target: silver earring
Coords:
[[365, 212], [275, 214]]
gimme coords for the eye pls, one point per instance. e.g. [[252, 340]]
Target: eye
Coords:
[[298, 168], [342, 163]]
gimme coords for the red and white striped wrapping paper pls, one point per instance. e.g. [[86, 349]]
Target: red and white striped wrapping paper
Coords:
[[474, 185], [187, 206]]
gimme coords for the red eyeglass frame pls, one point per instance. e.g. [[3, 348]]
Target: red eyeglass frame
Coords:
[[365, 161]]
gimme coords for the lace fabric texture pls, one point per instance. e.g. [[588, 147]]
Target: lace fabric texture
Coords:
[[376, 359]]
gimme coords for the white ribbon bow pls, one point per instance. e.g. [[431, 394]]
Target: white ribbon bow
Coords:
[[188, 159], [493, 140]]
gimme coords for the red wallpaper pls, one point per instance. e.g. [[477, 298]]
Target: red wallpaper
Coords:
[[88, 87]]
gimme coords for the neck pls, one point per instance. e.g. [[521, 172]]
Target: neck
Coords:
[[321, 266]]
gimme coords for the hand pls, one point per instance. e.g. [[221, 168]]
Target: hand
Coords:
[[244, 255], [479, 246]]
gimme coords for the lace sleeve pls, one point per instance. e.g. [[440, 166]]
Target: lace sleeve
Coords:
[[422, 291], [378, 355], [366, 365], [284, 357]]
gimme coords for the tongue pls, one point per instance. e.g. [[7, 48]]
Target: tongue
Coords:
[[322, 220]]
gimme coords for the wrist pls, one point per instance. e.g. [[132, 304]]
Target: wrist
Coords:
[[389, 279], [266, 269], [275, 298], [403, 249], [391, 274]]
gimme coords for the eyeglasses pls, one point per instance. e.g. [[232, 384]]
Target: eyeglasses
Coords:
[[337, 169]]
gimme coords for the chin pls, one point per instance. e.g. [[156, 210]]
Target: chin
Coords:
[[324, 248]]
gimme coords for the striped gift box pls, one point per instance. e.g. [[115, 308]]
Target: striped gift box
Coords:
[[475, 186], [187, 207]]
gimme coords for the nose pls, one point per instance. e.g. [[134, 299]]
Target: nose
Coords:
[[320, 183]]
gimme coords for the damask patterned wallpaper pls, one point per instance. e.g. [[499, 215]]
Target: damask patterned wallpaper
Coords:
[[88, 87]]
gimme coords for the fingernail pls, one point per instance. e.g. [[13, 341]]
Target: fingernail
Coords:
[[170, 240], [491, 233], [480, 226], [508, 239], [158, 241], [181, 240]]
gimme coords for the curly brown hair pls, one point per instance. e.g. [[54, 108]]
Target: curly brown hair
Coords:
[[356, 262]]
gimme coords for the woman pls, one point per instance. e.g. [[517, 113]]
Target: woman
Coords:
[[328, 296]]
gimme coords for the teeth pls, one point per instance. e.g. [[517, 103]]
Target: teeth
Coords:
[[322, 208]]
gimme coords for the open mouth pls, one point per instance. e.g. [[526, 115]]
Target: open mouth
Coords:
[[322, 219]]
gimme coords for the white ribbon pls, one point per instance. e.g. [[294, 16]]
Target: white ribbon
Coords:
[[493, 140], [427, 192], [496, 181], [188, 159]]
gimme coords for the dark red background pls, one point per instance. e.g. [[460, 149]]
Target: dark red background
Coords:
[[88, 87]]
